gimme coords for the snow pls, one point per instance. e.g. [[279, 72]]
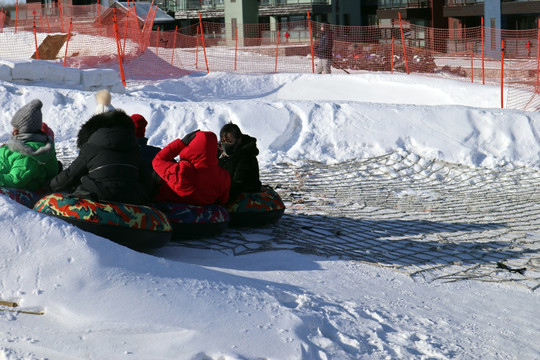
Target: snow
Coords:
[[105, 301], [32, 71]]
